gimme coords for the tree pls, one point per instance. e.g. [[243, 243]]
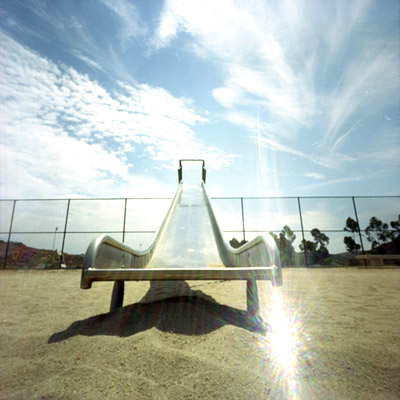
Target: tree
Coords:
[[307, 245], [316, 251], [289, 234], [396, 229], [352, 226], [310, 249], [351, 245], [377, 232], [285, 245], [236, 244], [320, 238], [350, 242]]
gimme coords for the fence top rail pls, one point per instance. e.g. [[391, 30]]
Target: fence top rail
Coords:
[[302, 197], [213, 198], [153, 231], [59, 233], [94, 198]]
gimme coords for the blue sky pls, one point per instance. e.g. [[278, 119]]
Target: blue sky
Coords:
[[292, 98]]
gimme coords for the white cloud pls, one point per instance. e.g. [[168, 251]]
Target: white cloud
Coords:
[[323, 67], [251, 54], [315, 175], [226, 96], [62, 132]]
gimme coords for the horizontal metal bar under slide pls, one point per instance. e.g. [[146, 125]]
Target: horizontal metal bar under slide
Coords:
[[188, 274], [188, 246]]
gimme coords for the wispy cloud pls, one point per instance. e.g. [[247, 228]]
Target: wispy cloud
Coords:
[[333, 161], [78, 33], [88, 61], [242, 37], [331, 182], [315, 175], [319, 67], [312, 80], [129, 19], [53, 115], [368, 84]]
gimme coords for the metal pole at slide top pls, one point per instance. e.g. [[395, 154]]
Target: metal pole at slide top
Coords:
[[9, 235], [65, 232], [302, 232], [203, 169]]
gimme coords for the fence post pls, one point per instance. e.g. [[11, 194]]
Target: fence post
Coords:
[[358, 224], [243, 228], [123, 228], [65, 232], [9, 235], [302, 232]]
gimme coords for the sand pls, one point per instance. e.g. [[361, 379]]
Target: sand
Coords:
[[327, 334]]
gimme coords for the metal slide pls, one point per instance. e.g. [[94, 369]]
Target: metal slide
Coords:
[[188, 246]]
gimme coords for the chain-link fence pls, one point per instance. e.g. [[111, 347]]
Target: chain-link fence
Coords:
[[54, 233]]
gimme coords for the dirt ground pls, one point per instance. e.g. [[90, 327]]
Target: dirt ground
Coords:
[[326, 334]]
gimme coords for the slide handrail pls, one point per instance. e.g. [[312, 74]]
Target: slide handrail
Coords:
[[203, 169], [261, 251]]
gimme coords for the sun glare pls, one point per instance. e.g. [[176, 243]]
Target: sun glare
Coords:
[[283, 339], [283, 344]]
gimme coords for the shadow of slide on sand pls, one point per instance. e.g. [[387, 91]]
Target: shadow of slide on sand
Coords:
[[188, 312]]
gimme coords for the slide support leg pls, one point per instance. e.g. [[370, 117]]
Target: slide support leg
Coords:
[[252, 297], [117, 297]]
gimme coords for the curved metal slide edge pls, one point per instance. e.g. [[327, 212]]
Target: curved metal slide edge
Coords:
[[105, 252], [259, 252], [110, 260]]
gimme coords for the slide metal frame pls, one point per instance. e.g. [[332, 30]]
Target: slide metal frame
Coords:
[[107, 259]]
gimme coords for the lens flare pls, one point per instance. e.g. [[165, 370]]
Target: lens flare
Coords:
[[285, 342], [283, 339]]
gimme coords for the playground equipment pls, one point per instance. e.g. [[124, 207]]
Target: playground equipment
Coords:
[[188, 246]]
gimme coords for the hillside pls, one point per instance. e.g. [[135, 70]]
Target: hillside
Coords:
[[22, 256]]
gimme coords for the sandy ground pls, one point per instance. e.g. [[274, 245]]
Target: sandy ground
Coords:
[[327, 334]]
